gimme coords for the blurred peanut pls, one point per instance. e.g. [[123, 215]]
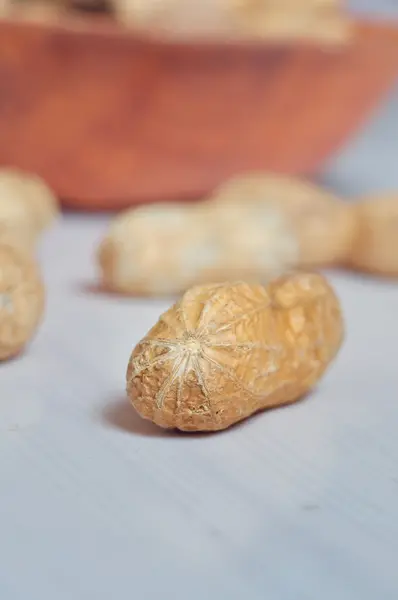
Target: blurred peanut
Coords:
[[164, 249], [27, 207], [323, 224], [319, 20], [40, 202], [256, 242], [155, 250], [15, 222], [375, 246], [21, 300]]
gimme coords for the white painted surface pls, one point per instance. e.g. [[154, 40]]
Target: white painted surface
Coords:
[[299, 503]]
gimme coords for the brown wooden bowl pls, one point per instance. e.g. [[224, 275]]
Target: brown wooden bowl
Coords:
[[110, 120]]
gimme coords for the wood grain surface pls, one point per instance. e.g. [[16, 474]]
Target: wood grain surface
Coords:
[[109, 119]]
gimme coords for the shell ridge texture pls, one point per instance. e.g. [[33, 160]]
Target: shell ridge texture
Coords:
[[226, 351]]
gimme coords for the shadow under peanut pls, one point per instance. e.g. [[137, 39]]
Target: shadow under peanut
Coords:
[[120, 414], [96, 288]]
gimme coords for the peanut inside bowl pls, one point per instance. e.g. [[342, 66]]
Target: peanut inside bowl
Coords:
[[238, 20], [110, 117], [220, 20]]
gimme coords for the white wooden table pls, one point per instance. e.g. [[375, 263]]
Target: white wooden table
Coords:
[[297, 503]]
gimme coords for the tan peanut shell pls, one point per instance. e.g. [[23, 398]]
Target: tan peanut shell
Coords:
[[167, 248], [321, 20], [256, 242], [288, 5], [16, 226], [375, 246], [23, 240], [31, 192], [226, 351], [21, 300], [5, 7], [176, 17], [155, 250], [324, 224], [284, 21]]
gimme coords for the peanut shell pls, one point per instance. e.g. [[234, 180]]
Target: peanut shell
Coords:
[[324, 224], [236, 19], [256, 242], [156, 250], [23, 239], [181, 18], [16, 226], [322, 22], [375, 246], [288, 5], [227, 351], [30, 191], [21, 300], [4, 8], [167, 248]]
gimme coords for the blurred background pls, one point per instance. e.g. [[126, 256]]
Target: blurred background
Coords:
[[96, 112], [368, 162]]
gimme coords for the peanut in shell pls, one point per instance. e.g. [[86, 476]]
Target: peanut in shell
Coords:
[[375, 246], [21, 300], [324, 224], [226, 351]]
